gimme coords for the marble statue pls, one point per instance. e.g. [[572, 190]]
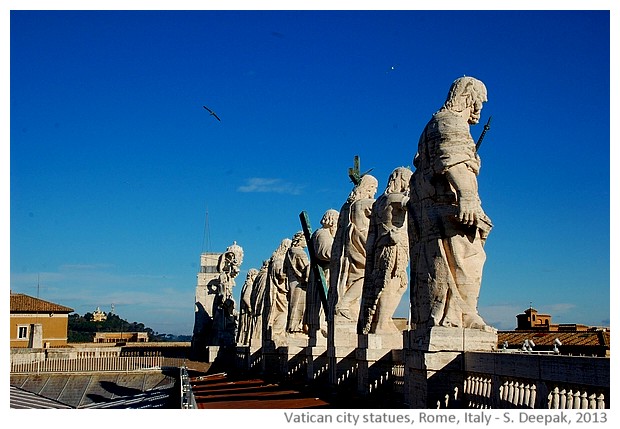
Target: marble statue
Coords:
[[322, 240], [245, 308], [277, 298], [387, 257], [257, 304], [349, 250], [447, 226], [297, 269], [223, 330]]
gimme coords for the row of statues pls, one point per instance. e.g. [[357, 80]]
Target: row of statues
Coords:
[[429, 220]]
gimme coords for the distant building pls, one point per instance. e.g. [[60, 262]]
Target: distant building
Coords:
[[536, 333], [36, 323], [530, 320], [99, 316], [121, 337]]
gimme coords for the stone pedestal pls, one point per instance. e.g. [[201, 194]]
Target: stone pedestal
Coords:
[[293, 363], [284, 358], [256, 359], [434, 363], [211, 353], [317, 365], [248, 358], [242, 358], [317, 339], [270, 363], [341, 345], [376, 355]]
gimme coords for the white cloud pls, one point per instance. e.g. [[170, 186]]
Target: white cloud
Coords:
[[278, 186], [501, 316]]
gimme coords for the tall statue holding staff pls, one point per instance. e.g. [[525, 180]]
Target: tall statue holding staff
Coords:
[[447, 226]]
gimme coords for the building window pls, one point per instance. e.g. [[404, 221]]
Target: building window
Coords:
[[22, 332]]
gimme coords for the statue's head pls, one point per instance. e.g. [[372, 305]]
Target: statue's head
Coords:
[[252, 273], [285, 244], [399, 180], [367, 186], [330, 218], [466, 93], [234, 253], [299, 240]]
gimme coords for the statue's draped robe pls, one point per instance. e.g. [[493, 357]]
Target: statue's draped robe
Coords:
[[447, 257]]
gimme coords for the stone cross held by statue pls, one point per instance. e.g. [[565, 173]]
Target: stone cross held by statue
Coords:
[[354, 172]]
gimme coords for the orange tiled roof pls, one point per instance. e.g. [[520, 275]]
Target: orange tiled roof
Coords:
[[581, 338], [21, 303]]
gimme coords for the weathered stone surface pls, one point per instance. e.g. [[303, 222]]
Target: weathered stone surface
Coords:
[[245, 308], [387, 246], [343, 333], [447, 226], [349, 251], [297, 270], [441, 338], [257, 303], [381, 341], [215, 314], [322, 241], [275, 313]]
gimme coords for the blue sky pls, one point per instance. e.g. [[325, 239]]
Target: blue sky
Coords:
[[119, 178]]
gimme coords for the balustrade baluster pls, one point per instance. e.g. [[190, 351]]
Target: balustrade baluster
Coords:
[[486, 392], [476, 394], [504, 393], [569, 399], [592, 402], [562, 399], [532, 401], [521, 394], [511, 393], [554, 398], [527, 396]]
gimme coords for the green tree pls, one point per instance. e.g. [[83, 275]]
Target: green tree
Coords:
[[83, 328]]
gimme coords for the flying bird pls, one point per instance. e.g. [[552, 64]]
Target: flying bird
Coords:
[[212, 113], [391, 69]]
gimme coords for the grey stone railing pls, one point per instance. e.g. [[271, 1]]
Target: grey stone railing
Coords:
[[27, 361], [497, 380]]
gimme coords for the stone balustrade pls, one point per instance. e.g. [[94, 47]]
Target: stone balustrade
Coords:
[[486, 380], [535, 381], [483, 380], [26, 361], [541, 381]]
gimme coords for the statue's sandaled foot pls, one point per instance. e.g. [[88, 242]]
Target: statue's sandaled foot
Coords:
[[474, 321], [450, 323]]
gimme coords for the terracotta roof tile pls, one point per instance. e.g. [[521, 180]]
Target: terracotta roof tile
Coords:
[[591, 338], [21, 303]]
